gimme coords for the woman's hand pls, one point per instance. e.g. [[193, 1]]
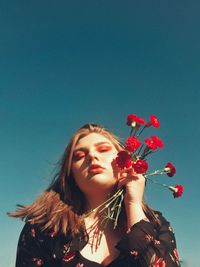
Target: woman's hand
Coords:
[[133, 198], [134, 184]]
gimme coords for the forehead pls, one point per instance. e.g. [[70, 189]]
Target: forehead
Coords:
[[92, 139]]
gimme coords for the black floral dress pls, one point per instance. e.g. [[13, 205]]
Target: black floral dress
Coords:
[[142, 246]]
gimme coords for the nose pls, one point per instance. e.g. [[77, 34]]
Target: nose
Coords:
[[93, 155]]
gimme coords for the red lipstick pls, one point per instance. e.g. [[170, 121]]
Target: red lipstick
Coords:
[[96, 168]]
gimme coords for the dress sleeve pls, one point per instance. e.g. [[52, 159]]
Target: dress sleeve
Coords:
[[151, 246]]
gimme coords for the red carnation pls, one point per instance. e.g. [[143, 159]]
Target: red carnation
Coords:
[[170, 169], [150, 143], [132, 143], [177, 190], [153, 122], [157, 141], [132, 118], [123, 160], [140, 166]]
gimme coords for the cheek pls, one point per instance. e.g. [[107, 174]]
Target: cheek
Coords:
[[79, 172], [112, 164], [113, 156], [110, 159]]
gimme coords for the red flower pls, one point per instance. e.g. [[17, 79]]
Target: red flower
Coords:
[[132, 118], [140, 166], [153, 122], [159, 262], [170, 169], [150, 143], [157, 141], [132, 143], [123, 160], [177, 190]]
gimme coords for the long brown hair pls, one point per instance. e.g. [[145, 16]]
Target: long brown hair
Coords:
[[60, 207]]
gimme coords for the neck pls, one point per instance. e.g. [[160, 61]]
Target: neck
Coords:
[[96, 199]]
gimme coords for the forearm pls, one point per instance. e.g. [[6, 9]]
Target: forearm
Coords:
[[135, 213]]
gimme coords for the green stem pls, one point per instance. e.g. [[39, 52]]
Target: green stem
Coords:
[[156, 182]]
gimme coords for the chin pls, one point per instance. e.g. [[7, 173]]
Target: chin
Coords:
[[103, 180]]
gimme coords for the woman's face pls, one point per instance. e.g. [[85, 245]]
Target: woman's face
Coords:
[[92, 162]]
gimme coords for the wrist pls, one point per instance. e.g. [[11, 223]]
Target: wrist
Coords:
[[135, 213], [134, 204]]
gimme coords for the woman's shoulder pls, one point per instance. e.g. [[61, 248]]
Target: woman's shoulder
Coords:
[[160, 216], [164, 224]]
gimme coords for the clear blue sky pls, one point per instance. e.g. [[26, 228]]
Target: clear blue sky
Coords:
[[66, 63]]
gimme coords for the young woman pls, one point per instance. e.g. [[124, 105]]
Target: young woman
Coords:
[[64, 225]]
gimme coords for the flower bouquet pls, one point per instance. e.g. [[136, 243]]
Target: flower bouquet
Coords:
[[135, 153], [134, 157]]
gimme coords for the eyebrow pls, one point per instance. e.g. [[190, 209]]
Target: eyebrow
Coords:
[[96, 145]]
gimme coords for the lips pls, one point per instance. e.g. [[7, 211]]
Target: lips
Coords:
[[95, 168]]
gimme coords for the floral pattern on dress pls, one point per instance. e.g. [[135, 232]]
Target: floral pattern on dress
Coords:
[[38, 261], [143, 245], [69, 256], [175, 257], [134, 253], [159, 262]]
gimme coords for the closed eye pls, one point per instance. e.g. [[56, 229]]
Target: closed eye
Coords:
[[104, 148], [78, 156]]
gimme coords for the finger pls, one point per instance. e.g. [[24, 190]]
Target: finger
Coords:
[[131, 175], [125, 180]]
